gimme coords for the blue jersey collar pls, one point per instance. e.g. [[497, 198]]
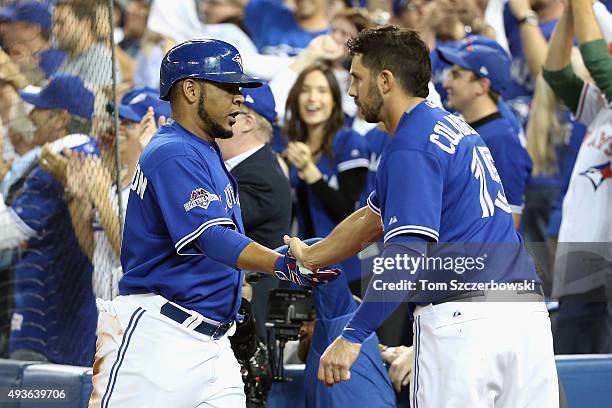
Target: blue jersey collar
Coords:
[[407, 114], [177, 126]]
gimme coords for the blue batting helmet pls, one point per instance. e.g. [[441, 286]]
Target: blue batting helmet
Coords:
[[210, 60]]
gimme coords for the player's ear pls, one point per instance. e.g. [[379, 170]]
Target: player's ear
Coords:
[[386, 81], [191, 91]]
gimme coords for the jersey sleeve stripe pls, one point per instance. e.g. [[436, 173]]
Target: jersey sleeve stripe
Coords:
[[411, 229], [516, 209], [195, 234], [426, 229], [353, 164], [371, 205]]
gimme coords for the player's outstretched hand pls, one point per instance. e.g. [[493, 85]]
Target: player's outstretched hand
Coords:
[[299, 250], [296, 246], [336, 361], [288, 268]]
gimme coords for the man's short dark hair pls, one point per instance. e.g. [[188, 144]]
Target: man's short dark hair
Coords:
[[401, 51]]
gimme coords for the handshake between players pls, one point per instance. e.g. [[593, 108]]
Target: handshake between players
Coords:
[[291, 269]]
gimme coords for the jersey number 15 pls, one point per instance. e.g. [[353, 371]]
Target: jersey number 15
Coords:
[[480, 155]]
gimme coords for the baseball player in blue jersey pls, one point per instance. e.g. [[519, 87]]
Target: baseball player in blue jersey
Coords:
[[478, 75], [164, 340], [436, 183]]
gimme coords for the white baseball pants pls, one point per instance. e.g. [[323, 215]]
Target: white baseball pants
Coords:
[[483, 354], [145, 359]]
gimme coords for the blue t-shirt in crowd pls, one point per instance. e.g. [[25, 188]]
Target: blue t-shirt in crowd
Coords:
[[55, 311], [511, 158], [180, 188], [369, 385], [274, 30], [437, 179]]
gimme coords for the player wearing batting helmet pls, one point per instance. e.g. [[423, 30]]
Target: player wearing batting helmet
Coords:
[[449, 247], [164, 340]]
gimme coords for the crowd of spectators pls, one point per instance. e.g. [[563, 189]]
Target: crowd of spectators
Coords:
[[533, 77]]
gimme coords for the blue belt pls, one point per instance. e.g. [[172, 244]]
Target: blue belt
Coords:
[[215, 331]]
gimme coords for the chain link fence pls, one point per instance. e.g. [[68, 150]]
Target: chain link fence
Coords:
[[64, 177]]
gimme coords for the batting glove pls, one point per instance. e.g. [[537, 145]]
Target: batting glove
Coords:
[[287, 268]]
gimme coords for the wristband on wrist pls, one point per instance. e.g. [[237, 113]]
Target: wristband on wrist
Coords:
[[531, 18]]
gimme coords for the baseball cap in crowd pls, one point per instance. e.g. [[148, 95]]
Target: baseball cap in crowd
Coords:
[[400, 5], [33, 12], [135, 103], [63, 91], [485, 61], [481, 40], [261, 100]]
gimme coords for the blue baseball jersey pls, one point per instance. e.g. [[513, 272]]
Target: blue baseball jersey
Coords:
[[437, 180], [180, 188], [511, 159], [350, 151], [377, 139], [369, 385], [273, 28], [520, 89], [55, 312]]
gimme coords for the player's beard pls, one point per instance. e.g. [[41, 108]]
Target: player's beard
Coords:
[[371, 109], [212, 128]]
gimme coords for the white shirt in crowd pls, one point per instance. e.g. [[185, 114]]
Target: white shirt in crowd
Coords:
[[584, 252]]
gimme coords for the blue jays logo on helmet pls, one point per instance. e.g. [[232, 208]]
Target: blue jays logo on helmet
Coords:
[[209, 60], [598, 174], [238, 60]]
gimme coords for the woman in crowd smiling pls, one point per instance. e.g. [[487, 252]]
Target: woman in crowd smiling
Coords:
[[329, 162]]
